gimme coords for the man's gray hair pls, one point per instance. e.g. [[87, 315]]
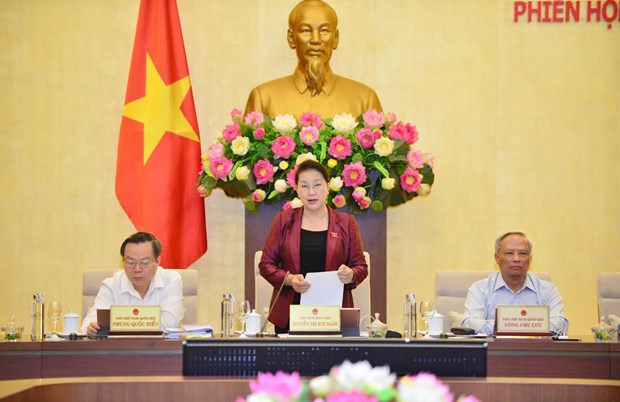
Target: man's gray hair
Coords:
[[498, 242]]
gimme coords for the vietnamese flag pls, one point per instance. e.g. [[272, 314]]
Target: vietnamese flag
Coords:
[[159, 144]]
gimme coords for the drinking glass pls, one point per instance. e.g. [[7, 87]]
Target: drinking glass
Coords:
[[427, 311], [54, 312], [243, 312]]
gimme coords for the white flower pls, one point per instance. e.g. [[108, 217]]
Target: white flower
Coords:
[[304, 157], [260, 397], [240, 145], [425, 189], [384, 146], [423, 387], [284, 123], [296, 203], [335, 183], [363, 376], [387, 183], [280, 185], [242, 173], [344, 123], [321, 386]]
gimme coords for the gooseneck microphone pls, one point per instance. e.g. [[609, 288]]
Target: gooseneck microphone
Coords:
[[260, 334]]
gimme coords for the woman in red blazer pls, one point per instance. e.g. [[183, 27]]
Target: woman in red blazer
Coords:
[[313, 238]]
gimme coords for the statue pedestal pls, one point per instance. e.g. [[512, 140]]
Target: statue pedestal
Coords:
[[373, 228]]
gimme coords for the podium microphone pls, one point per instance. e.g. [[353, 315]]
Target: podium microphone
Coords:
[[262, 329]]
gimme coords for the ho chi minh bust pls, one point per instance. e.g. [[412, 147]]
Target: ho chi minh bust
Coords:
[[313, 87]]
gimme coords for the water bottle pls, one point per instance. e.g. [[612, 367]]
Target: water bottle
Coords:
[[37, 307], [227, 316], [409, 317]]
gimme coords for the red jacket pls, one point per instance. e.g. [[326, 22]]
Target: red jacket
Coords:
[[281, 254]]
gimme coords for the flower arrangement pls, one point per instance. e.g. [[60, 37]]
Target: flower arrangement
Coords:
[[371, 160], [351, 382]]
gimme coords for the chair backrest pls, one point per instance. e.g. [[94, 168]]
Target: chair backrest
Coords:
[[608, 293], [91, 282], [451, 290], [263, 289]]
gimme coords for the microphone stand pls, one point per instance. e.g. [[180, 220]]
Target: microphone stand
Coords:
[[260, 334]]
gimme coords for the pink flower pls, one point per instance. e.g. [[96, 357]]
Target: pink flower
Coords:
[[364, 202], [468, 398], [430, 159], [263, 171], [259, 133], [285, 386], [231, 132], [406, 132], [287, 206], [339, 201], [365, 137], [351, 396], [391, 118], [254, 119], [410, 180], [373, 119], [310, 119], [216, 150], [358, 193], [415, 159], [283, 146], [340, 147], [354, 174], [236, 115], [290, 177], [220, 166], [258, 195], [309, 135]]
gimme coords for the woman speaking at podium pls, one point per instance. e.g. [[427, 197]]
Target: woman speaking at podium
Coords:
[[312, 238]]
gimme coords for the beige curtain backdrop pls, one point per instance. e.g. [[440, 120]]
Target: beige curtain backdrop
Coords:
[[524, 120]]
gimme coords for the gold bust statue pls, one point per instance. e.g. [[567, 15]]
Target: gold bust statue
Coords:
[[313, 87]]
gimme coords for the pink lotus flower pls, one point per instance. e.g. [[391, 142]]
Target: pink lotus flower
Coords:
[[290, 177], [415, 159], [310, 119], [220, 166], [259, 133], [231, 132], [354, 174], [358, 193], [340, 147], [236, 115], [283, 386], [283, 146], [365, 137], [287, 206], [258, 195], [391, 118], [254, 119], [351, 396], [430, 159], [410, 180], [423, 387], [373, 119], [406, 132], [263, 171], [339, 201], [309, 135], [216, 150]]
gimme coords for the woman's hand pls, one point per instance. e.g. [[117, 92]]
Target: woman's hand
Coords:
[[345, 274], [299, 284]]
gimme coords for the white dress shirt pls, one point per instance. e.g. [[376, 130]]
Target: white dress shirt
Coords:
[[165, 290], [484, 295]]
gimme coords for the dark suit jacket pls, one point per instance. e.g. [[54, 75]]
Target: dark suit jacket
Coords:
[[281, 254]]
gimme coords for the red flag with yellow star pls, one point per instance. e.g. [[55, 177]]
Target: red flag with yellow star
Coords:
[[159, 144]]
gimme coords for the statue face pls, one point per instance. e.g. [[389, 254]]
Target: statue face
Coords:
[[313, 34]]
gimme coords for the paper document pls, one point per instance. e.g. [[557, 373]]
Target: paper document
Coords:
[[326, 289]]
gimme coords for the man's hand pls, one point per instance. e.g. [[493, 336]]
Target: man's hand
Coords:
[[92, 329]]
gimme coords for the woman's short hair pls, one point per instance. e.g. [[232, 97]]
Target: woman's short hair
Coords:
[[311, 165]]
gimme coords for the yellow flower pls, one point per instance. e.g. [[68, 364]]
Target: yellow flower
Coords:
[[240, 145], [387, 183], [384, 146], [242, 173], [283, 165], [424, 189], [332, 163], [335, 184], [304, 157]]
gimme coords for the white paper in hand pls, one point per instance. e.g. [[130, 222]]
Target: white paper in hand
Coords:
[[326, 289]]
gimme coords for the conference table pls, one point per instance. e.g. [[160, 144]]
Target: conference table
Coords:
[[584, 364]]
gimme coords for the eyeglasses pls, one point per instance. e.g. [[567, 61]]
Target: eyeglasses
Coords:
[[316, 187], [145, 263]]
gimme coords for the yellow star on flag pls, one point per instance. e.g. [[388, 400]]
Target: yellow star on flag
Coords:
[[160, 109]]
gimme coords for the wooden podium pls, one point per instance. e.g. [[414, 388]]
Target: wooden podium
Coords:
[[373, 228]]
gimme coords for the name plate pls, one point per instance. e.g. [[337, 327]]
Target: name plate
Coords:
[[135, 319], [314, 320], [522, 320]]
